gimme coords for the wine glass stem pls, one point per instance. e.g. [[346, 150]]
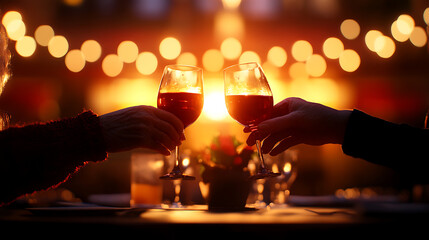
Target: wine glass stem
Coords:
[[261, 157], [177, 157]]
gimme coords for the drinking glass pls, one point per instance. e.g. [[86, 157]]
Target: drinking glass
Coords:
[[286, 162], [249, 101], [181, 93]]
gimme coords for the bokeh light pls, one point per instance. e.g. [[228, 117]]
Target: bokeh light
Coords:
[[75, 60], [231, 48], [26, 46], [249, 56], [58, 46], [315, 65], [301, 50], [213, 60], [399, 36], [146, 63], [91, 49], [418, 37], [10, 16], [16, 29], [277, 56], [350, 29], [298, 71], [43, 35], [112, 65], [405, 24], [384, 46], [426, 16], [370, 38], [170, 48], [349, 60], [128, 51], [187, 58], [333, 47]]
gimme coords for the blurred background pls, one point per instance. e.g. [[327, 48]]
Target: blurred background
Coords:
[[103, 55]]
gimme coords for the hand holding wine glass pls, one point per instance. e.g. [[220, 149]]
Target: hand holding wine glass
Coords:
[[181, 93], [249, 100]]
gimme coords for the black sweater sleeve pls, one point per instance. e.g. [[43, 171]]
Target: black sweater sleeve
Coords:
[[398, 146], [43, 155]]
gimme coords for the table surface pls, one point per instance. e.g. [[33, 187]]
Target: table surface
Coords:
[[252, 222]]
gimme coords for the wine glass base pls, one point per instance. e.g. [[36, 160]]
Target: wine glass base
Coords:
[[264, 173], [174, 176]]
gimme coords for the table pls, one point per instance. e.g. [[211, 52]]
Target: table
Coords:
[[198, 222]]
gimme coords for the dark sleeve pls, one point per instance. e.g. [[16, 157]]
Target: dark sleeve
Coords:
[[43, 155], [398, 146]]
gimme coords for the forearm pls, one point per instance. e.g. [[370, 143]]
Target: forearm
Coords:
[[393, 145], [40, 156]]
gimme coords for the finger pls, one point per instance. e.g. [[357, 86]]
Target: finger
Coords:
[[161, 149], [171, 118], [256, 135], [169, 130], [272, 140], [164, 139], [285, 144], [271, 126]]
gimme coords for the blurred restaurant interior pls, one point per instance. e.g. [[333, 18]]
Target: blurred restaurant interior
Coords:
[[104, 55]]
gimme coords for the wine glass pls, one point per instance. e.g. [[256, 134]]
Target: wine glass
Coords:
[[181, 93], [249, 101]]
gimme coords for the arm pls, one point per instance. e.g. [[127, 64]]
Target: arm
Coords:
[[40, 156], [398, 146]]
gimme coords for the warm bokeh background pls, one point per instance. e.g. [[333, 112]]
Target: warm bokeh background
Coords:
[[104, 55]]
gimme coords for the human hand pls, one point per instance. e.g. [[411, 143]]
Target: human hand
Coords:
[[295, 121], [141, 126]]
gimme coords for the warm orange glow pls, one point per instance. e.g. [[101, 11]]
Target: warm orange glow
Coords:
[[228, 24], [231, 4], [231, 48], [26, 46], [121, 93], [43, 34], [75, 60], [128, 51], [146, 63], [58, 46], [349, 60], [249, 56], [321, 90], [187, 58], [301, 50], [91, 49], [350, 29], [213, 60], [418, 37], [73, 3], [277, 56], [315, 65], [333, 47], [298, 70], [170, 48], [112, 65], [214, 105]]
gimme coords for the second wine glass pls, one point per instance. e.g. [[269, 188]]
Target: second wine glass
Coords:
[[249, 100], [181, 93]]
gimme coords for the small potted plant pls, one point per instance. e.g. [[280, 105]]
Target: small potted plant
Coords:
[[224, 168]]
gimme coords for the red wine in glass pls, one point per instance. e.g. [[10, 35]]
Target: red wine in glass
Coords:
[[249, 101], [181, 93]]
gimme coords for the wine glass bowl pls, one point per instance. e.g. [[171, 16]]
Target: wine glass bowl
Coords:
[[249, 101], [181, 93]]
